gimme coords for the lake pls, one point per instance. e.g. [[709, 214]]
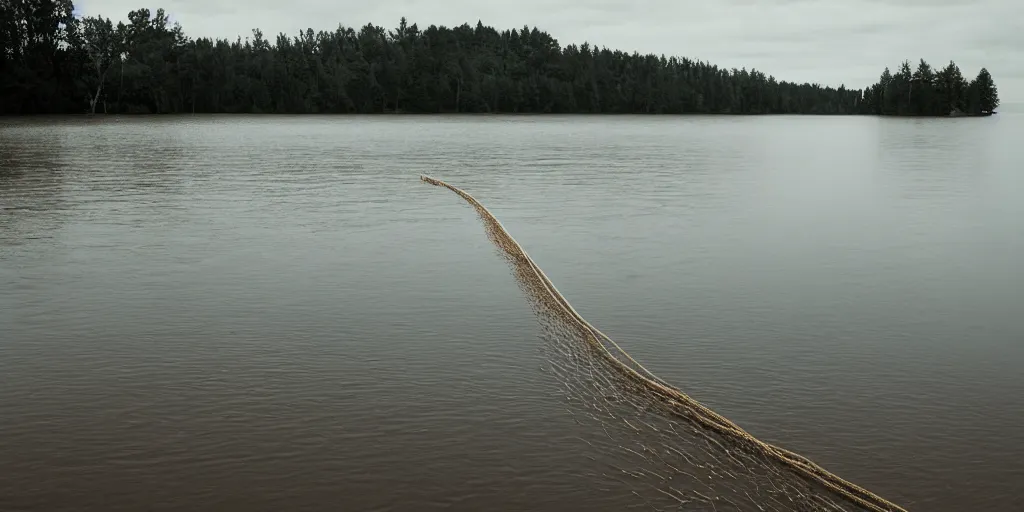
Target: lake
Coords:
[[275, 313]]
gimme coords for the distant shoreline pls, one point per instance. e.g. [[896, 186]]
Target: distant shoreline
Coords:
[[481, 114], [151, 66]]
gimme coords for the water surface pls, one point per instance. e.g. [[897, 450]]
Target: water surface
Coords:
[[258, 313]]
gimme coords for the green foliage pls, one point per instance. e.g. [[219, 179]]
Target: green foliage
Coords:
[[39, 65], [53, 62], [988, 97], [926, 92], [102, 45]]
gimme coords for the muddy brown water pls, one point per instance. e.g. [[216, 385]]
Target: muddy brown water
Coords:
[[273, 312]]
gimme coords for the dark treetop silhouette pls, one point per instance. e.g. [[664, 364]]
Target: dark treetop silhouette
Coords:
[[54, 62]]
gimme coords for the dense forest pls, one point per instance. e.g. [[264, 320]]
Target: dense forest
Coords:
[[52, 61]]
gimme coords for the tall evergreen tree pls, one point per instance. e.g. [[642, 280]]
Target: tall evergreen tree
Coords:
[[952, 89], [988, 96], [922, 92]]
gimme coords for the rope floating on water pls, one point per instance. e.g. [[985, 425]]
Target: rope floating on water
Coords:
[[681, 403]]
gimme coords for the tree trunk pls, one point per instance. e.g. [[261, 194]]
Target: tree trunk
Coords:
[[120, 85], [458, 95], [96, 98]]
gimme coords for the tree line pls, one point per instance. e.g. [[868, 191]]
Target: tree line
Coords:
[[52, 61], [928, 92]]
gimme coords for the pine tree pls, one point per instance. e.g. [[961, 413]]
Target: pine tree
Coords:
[[952, 89], [922, 94], [987, 95]]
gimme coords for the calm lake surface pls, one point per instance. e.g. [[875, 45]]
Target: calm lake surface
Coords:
[[274, 313]]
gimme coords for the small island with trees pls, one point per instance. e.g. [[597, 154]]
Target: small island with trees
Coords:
[[53, 62]]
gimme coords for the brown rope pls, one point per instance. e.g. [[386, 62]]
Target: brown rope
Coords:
[[681, 403]]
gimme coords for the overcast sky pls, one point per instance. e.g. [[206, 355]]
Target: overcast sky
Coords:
[[827, 41]]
